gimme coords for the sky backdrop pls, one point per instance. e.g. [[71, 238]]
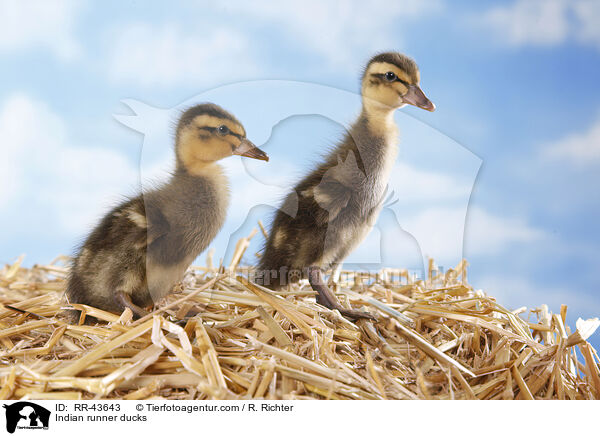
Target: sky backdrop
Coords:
[[504, 173]]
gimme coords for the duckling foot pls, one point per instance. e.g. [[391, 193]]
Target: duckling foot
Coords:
[[125, 299], [327, 298]]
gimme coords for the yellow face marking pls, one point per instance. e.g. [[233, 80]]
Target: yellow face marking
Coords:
[[378, 94], [212, 121], [197, 148], [384, 67]]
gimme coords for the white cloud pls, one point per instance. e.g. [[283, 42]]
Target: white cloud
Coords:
[[578, 148], [486, 233], [170, 54], [220, 49], [69, 186], [529, 22], [39, 23], [588, 15], [442, 231], [337, 30], [244, 186], [434, 209], [413, 185], [544, 23], [438, 231]]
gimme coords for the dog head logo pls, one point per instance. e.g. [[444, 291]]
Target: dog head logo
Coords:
[[26, 415]]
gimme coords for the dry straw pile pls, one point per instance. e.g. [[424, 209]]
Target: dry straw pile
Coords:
[[434, 339]]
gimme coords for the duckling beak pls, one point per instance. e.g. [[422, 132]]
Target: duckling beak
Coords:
[[417, 98], [248, 149]]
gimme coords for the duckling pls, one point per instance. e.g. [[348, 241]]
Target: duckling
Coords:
[[339, 201], [142, 247]]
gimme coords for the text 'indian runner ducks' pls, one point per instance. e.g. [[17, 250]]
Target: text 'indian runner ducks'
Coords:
[[339, 201], [141, 248]]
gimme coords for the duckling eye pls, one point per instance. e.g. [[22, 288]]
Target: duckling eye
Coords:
[[390, 77], [223, 130]]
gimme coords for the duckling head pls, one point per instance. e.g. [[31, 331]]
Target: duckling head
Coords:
[[391, 80], [207, 133]]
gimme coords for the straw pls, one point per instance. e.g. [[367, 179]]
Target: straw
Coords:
[[433, 339]]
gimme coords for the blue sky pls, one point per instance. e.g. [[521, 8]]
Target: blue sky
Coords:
[[518, 123]]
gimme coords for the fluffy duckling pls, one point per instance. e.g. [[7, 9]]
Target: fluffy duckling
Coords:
[[142, 247], [339, 201]]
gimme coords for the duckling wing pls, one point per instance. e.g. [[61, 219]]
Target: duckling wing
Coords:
[[337, 185], [332, 196], [158, 225], [150, 222]]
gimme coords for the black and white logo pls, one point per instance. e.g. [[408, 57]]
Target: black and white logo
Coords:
[[26, 415]]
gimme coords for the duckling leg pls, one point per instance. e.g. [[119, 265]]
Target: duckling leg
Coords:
[[328, 299], [125, 300]]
